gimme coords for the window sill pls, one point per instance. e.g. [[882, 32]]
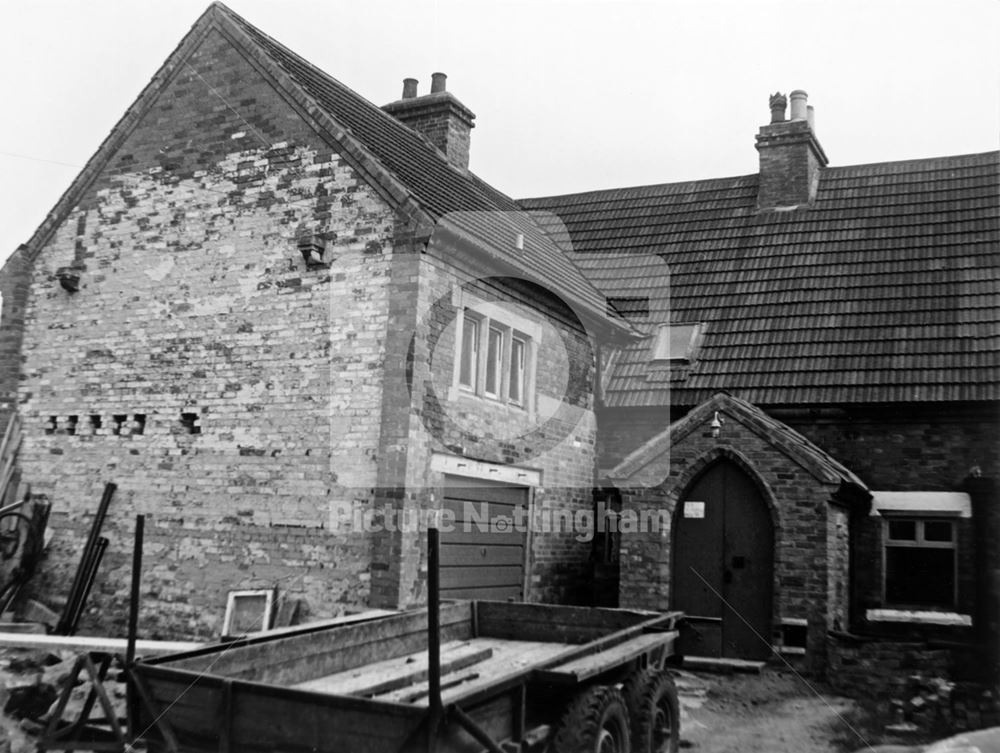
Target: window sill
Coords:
[[790, 650], [456, 394], [921, 617]]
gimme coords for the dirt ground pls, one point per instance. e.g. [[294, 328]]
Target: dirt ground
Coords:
[[773, 712]]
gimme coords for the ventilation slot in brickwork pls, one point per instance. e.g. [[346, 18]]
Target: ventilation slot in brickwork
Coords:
[[191, 423], [120, 425], [791, 636]]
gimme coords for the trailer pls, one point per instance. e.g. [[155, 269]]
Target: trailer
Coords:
[[457, 677], [513, 676]]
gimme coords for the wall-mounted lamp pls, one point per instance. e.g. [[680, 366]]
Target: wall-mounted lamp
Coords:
[[716, 424], [313, 250], [69, 278]]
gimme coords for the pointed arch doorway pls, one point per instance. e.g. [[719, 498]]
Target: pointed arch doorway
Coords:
[[723, 564]]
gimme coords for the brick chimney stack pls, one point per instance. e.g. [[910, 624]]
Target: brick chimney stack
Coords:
[[439, 116], [790, 155]]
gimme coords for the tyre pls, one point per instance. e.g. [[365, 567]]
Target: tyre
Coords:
[[654, 712], [595, 722]]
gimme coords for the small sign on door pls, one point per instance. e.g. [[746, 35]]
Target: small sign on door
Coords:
[[694, 509]]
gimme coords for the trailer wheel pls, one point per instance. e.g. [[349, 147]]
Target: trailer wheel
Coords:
[[651, 697], [595, 722]]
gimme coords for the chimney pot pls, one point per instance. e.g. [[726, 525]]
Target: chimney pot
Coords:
[[811, 118], [778, 102], [439, 116], [799, 106]]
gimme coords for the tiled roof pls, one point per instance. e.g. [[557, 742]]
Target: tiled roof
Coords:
[[884, 290], [469, 204]]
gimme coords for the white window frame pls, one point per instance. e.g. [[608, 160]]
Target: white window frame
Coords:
[[522, 370], [473, 356], [267, 614], [495, 359], [493, 317], [661, 342]]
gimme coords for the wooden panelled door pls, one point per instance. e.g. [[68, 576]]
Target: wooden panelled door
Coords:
[[483, 555], [723, 564]]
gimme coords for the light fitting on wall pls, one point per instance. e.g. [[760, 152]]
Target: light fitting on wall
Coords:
[[69, 278], [716, 424], [313, 250]]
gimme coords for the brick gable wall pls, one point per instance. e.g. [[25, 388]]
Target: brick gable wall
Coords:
[[195, 300]]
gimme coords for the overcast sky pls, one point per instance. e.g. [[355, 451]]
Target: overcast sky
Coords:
[[570, 96]]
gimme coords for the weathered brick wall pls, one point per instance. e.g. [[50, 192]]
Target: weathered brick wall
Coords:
[[14, 279], [799, 506], [881, 669], [918, 447], [446, 420], [789, 165], [195, 300]]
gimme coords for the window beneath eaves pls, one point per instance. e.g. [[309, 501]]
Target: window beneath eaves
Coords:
[[920, 562], [494, 358], [494, 362], [518, 356], [468, 370], [677, 341]]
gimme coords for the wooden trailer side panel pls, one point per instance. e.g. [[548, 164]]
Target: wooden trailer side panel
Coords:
[[300, 658], [223, 716], [548, 622]]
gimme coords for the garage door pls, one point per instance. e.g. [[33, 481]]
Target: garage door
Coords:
[[483, 555]]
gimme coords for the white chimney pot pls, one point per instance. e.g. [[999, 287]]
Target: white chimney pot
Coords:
[[799, 107]]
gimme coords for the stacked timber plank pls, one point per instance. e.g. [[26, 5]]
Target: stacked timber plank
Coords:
[[9, 474]]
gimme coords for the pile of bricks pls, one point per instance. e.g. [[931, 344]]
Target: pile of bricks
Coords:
[[938, 704]]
